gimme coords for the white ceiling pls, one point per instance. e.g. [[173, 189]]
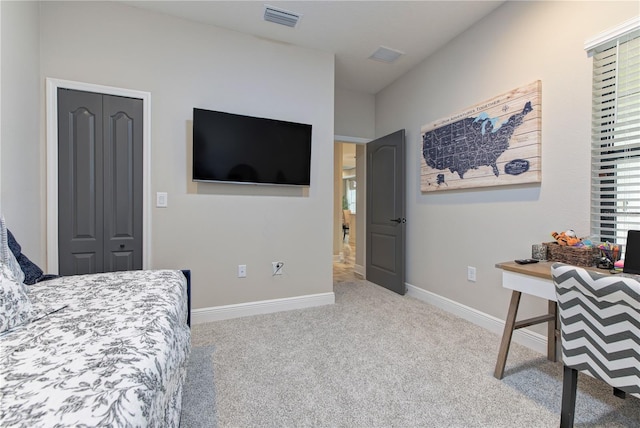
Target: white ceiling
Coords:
[[352, 30]]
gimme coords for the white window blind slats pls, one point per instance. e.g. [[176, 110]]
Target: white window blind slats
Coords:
[[625, 182], [624, 198], [628, 85], [628, 114], [606, 68], [630, 214], [618, 173], [620, 134], [627, 189], [607, 221], [612, 95], [616, 152], [605, 60], [627, 101], [616, 145], [618, 234], [606, 162], [629, 209], [615, 139]]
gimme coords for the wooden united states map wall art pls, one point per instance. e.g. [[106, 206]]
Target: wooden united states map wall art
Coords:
[[494, 143]]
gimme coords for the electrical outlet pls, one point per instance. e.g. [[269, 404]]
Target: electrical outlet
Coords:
[[242, 271], [471, 273], [277, 267]]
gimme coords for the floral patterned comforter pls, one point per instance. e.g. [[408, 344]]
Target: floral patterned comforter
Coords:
[[109, 350]]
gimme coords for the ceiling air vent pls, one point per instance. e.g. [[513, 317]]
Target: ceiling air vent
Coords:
[[386, 54], [280, 16]]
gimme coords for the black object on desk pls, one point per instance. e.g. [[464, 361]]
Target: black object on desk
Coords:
[[526, 261]]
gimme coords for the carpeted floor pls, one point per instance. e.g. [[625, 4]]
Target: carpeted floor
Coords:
[[198, 394], [377, 359]]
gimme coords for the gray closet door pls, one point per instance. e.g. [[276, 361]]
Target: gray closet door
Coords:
[[99, 182]]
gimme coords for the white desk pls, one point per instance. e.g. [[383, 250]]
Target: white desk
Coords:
[[525, 283], [533, 279]]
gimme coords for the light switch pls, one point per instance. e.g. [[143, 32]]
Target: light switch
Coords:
[[161, 199]]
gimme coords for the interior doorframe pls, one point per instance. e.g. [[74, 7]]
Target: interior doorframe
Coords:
[[360, 270], [52, 86]]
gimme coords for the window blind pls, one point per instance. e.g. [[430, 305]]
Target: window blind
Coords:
[[615, 137]]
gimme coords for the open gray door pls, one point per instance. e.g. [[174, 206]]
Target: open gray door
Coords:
[[385, 264]]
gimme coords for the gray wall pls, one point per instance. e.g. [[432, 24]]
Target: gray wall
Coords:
[[22, 164], [447, 231], [355, 114]]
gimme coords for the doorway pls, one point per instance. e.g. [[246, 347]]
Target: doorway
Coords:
[[349, 222], [379, 189]]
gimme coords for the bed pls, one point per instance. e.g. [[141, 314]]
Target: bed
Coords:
[[96, 350]]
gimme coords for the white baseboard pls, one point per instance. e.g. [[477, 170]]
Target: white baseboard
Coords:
[[360, 271], [218, 313], [524, 337]]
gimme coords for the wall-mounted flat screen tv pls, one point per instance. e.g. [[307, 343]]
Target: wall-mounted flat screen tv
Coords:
[[243, 149]]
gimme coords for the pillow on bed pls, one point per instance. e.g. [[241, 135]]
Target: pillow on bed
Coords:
[[31, 272], [15, 306], [14, 266]]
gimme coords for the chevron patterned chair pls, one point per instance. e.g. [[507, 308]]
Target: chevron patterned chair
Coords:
[[600, 331]]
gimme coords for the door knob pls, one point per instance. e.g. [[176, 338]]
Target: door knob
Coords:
[[399, 220]]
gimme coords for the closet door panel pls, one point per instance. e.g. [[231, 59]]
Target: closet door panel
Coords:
[[123, 183], [80, 182]]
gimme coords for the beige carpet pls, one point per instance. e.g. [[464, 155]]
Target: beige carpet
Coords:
[[377, 359]]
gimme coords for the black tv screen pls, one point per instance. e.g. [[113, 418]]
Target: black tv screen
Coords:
[[244, 149]]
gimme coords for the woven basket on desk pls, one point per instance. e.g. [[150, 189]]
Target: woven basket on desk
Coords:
[[577, 256]]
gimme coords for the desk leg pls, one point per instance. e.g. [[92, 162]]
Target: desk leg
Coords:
[[506, 335], [552, 327]]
